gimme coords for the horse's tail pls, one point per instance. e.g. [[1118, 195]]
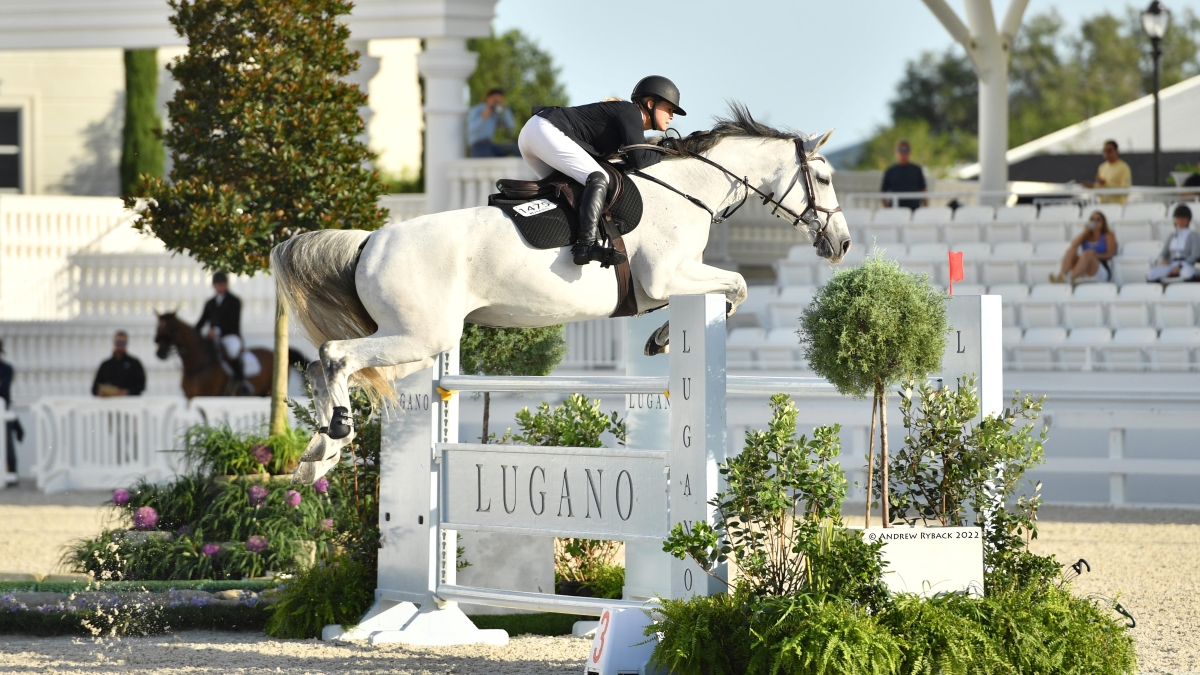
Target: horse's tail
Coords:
[[314, 273]]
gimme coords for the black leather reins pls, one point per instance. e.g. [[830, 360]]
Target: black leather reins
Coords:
[[810, 216]]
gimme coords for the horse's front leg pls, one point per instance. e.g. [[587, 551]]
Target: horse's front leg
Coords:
[[692, 277]]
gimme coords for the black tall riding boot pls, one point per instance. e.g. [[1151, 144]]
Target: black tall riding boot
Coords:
[[591, 205], [239, 376]]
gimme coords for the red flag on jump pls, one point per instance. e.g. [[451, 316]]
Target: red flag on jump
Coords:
[[956, 269]]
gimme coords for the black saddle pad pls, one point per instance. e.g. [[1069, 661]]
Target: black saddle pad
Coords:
[[553, 222]]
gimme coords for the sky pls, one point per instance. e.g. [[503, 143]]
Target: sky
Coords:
[[808, 64]]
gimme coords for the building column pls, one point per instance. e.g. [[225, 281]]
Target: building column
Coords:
[[368, 67], [445, 64]]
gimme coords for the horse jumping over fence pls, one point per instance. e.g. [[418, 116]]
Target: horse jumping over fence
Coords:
[[384, 304], [203, 374]]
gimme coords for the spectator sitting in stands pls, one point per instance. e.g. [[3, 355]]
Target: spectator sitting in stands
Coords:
[[482, 122], [1113, 173], [904, 176], [1087, 257], [122, 375], [1177, 262]]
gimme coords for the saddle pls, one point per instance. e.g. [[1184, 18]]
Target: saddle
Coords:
[[546, 214]]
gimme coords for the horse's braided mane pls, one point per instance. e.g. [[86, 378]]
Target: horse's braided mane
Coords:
[[739, 123]]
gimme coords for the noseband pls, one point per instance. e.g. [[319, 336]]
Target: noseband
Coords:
[[810, 216]]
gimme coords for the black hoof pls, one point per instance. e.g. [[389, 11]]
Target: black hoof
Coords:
[[340, 425]]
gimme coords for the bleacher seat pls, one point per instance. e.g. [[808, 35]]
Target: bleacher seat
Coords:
[[1140, 220], [1176, 347], [1144, 248], [1046, 260], [1086, 307], [1010, 222], [1004, 267], [1135, 260], [974, 253], [753, 310], [1038, 349], [961, 288], [1041, 309], [926, 225], [898, 216], [786, 309], [881, 234], [742, 346], [1010, 337], [1054, 222], [1083, 349], [975, 214], [1112, 212], [928, 258], [790, 272], [857, 220], [1130, 349], [1059, 213], [780, 351], [967, 225], [1131, 308], [1011, 297], [1177, 308]]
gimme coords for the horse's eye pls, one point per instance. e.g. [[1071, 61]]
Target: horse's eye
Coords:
[[822, 180]]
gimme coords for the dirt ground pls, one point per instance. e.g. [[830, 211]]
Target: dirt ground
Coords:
[[1143, 558]]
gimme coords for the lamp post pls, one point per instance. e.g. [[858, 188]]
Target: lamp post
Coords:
[[1155, 21]]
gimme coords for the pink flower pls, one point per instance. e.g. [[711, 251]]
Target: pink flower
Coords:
[[257, 494], [262, 454], [256, 544], [210, 549], [120, 497], [145, 518], [327, 524], [292, 498], [322, 485]]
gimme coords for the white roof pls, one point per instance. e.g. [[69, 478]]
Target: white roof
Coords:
[[1130, 125]]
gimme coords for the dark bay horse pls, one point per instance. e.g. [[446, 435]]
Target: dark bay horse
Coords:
[[203, 374]]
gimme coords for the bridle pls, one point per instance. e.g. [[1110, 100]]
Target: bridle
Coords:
[[810, 216]]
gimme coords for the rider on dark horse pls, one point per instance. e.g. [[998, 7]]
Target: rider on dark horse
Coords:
[[572, 139], [223, 315]]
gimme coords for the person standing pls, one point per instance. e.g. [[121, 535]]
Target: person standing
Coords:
[[483, 120], [1113, 173], [13, 431], [223, 315], [122, 374], [904, 176]]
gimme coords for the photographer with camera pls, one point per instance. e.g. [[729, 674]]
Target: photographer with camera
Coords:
[[482, 122]]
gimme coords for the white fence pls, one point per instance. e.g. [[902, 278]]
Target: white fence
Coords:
[[86, 443], [472, 180]]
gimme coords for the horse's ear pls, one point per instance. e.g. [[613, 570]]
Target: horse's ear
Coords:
[[814, 143]]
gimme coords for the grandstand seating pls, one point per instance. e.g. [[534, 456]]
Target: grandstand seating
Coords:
[[1010, 251]]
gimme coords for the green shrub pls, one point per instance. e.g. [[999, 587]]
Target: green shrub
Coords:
[[92, 623], [706, 635], [338, 592], [220, 450], [820, 635]]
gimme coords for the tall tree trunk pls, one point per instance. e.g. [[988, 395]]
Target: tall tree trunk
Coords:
[[279, 391], [871, 455], [487, 413], [883, 458]]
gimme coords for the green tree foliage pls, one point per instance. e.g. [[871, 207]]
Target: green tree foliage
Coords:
[[141, 142], [779, 517], [1056, 78], [869, 328], [510, 352], [264, 132], [527, 74]]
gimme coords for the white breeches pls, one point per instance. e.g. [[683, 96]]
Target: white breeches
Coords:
[[232, 345], [545, 148], [1160, 272]]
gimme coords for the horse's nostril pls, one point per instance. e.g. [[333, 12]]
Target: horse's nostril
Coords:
[[846, 246]]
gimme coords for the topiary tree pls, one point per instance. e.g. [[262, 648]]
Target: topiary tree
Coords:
[[264, 138], [869, 328], [141, 144], [509, 352]]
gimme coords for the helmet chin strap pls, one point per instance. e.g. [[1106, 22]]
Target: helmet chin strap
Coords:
[[654, 115]]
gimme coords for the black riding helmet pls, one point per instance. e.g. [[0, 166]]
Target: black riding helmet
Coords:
[[661, 89]]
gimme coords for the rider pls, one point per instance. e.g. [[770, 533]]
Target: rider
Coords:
[[572, 139], [223, 314]]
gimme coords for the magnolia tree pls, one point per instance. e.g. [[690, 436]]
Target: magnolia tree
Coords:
[[264, 140], [869, 328]]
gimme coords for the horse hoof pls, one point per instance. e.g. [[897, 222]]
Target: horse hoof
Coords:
[[340, 425], [305, 474], [315, 450]]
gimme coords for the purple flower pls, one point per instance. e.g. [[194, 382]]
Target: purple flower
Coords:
[[327, 524], [322, 485], [256, 544], [120, 497], [145, 518], [210, 549], [262, 454], [257, 494], [292, 498]]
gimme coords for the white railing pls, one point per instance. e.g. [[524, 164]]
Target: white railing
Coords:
[[86, 443], [970, 194], [596, 345], [472, 180], [403, 207]]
